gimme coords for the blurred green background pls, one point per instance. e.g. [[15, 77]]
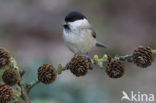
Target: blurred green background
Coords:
[[31, 30]]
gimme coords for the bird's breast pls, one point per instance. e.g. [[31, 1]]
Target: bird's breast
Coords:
[[79, 41]]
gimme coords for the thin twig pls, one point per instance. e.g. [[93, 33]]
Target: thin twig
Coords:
[[30, 86], [61, 68], [24, 93], [128, 58]]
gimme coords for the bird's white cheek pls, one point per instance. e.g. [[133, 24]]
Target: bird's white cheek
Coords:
[[79, 23]]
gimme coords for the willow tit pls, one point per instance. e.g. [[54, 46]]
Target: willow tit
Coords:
[[78, 34]]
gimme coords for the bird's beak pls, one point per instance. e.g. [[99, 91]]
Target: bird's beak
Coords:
[[64, 23]]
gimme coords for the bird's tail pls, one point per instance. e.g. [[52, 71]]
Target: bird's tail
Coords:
[[99, 44]]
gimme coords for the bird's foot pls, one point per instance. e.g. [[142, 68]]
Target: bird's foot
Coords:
[[86, 56], [67, 65]]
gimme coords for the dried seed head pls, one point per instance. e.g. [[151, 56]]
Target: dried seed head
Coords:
[[11, 77], [6, 93], [47, 74], [115, 69], [143, 56], [4, 58], [79, 65]]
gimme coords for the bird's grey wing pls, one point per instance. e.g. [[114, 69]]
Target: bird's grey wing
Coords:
[[92, 32], [99, 44]]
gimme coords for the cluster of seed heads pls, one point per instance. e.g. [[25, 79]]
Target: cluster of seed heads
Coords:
[[142, 57], [79, 66], [10, 77]]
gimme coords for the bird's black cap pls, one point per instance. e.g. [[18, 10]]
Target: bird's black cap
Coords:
[[73, 16]]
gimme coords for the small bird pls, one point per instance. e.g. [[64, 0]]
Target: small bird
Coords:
[[78, 34]]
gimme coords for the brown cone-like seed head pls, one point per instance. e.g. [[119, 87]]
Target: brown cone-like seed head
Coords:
[[6, 93], [11, 77], [79, 65], [143, 56], [47, 74], [115, 69], [4, 58]]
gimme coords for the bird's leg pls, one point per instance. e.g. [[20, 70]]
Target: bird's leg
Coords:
[[67, 64], [86, 55]]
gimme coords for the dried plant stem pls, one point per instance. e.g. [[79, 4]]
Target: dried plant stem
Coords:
[[128, 58], [30, 86], [96, 61], [100, 61], [24, 93]]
